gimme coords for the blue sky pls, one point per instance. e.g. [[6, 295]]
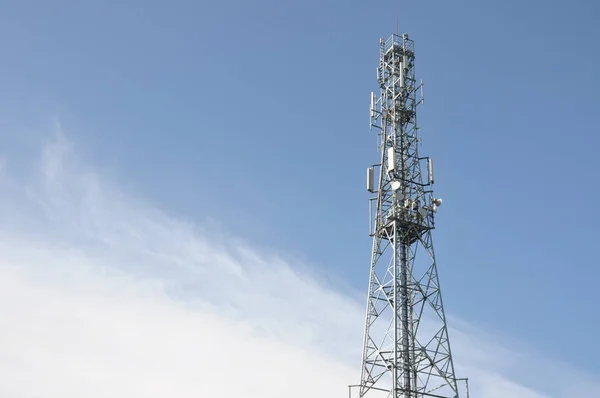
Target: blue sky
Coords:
[[253, 116]]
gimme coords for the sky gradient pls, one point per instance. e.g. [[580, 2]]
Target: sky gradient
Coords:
[[202, 163]]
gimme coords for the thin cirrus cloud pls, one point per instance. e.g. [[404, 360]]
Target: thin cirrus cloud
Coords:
[[102, 295]]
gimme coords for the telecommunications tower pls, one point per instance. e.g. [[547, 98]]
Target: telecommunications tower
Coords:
[[406, 350]]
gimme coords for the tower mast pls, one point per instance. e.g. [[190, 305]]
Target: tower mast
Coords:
[[406, 350]]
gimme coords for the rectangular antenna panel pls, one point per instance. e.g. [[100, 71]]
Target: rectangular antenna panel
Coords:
[[430, 170], [391, 159], [372, 104]]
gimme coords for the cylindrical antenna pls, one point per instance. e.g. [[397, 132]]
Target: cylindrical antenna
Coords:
[[402, 74]]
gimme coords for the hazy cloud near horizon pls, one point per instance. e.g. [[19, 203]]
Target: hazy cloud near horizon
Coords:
[[102, 295]]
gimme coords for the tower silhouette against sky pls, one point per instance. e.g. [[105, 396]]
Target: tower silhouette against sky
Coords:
[[406, 349]]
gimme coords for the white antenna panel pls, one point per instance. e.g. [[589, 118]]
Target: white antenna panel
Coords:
[[401, 76], [370, 179], [372, 104], [430, 169], [391, 159]]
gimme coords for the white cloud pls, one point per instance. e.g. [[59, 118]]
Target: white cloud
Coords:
[[96, 335], [103, 296]]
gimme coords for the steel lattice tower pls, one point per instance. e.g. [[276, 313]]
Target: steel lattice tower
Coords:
[[406, 351]]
